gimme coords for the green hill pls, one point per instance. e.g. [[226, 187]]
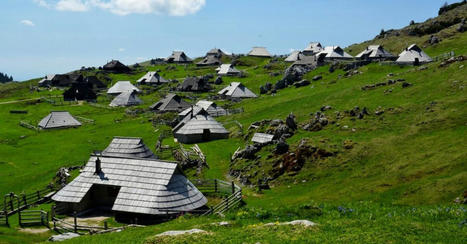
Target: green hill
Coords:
[[391, 176]]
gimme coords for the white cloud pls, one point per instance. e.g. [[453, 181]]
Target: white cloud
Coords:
[[125, 7], [27, 22], [121, 49], [72, 5]]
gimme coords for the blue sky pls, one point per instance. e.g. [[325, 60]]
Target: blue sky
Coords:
[[55, 36]]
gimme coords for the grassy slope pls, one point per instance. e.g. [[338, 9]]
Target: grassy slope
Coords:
[[408, 156]]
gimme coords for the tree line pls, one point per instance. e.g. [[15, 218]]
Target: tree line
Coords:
[[4, 78]]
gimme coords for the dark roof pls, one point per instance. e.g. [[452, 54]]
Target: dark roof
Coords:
[[116, 66], [80, 91], [209, 60], [178, 57], [195, 84], [170, 103]]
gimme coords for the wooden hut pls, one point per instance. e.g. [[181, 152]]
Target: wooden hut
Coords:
[[116, 67], [199, 128], [259, 52], [152, 78], [413, 55], [170, 103], [128, 147], [125, 99], [375, 53], [194, 84], [236, 90], [122, 86], [178, 57], [58, 120]]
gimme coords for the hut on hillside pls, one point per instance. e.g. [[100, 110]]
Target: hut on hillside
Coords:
[[194, 84], [116, 67], [228, 70], [259, 52], [208, 106], [122, 86], [216, 52], [295, 56], [236, 90], [170, 103], [94, 82], [310, 62], [375, 53], [333, 53], [126, 99], [128, 147], [80, 91], [413, 55], [131, 188], [312, 49], [199, 128], [58, 120], [209, 61], [55, 80], [152, 78], [178, 57]]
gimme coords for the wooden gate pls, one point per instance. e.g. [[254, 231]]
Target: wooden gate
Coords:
[[33, 217]]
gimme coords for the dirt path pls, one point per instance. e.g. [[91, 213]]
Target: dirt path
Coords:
[[18, 101]]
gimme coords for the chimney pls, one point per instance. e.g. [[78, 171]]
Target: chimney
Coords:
[[98, 167]]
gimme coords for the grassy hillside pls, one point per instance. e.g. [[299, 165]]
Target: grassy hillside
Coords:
[[395, 183]]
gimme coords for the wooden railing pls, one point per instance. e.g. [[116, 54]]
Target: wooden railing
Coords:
[[229, 190], [61, 225], [4, 218], [33, 217], [13, 203]]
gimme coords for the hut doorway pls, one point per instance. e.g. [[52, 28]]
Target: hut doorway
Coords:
[[103, 196], [206, 135]]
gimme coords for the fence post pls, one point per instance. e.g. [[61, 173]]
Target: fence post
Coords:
[[105, 225], [226, 203], [24, 200], [52, 211], [38, 195], [75, 222], [215, 185], [11, 203], [233, 187], [6, 217], [19, 218]]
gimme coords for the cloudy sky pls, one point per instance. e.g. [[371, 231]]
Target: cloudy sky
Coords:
[[54, 36]]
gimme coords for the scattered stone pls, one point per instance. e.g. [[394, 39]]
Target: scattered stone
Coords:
[[181, 232], [423, 68], [317, 77], [379, 112], [290, 121], [325, 108], [63, 237], [406, 84], [348, 144], [281, 147], [222, 223], [433, 40], [301, 83], [390, 75], [218, 80], [305, 223]]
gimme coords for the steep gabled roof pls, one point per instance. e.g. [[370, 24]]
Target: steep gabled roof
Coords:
[[238, 90], [128, 147], [295, 56], [152, 77], [208, 106], [313, 48], [178, 57], [122, 86], [126, 99], [334, 52], [209, 60], [58, 119], [170, 103], [195, 84], [215, 52], [259, 52], [374, 51], [412, 53], [146, 186], [227, 69], [115, 65], [197, 124]]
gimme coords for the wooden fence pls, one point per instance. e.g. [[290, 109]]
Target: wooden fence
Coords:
[[60, 225], [4, 218], [28, 126], [13, 203], [231, 192], [33, 217]]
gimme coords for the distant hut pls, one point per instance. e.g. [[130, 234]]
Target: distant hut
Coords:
[[413, 55], [208, 106], [259, 52], [333, 53], [116, 66], [131, 188], [46, 81], [128, 147], [216, 52], [152, 78], [294, 56], [80, 91], [94, 82], [178, 57], [55, 80], [170, 103], [126, 99], [122, 86], [375, 53], [312, 49], [228, 70], [307, 61], [199, 128], [194, 84], [58, 120], [209, 61], [236, 90]]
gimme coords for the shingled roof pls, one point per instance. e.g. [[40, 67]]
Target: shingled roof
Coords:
[[152, 78], [227, 69], [412, 54], [170, 103], [313, 48], [375, 52], [122, 86], [295, 56], [130, 147], [334, 52], [236, 90], [126, 99], [208, 106], [145, 186], [116, 66], [178, 57], [58, 119], [194, 84], [259, 52], [198, 128], [209, 60]]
